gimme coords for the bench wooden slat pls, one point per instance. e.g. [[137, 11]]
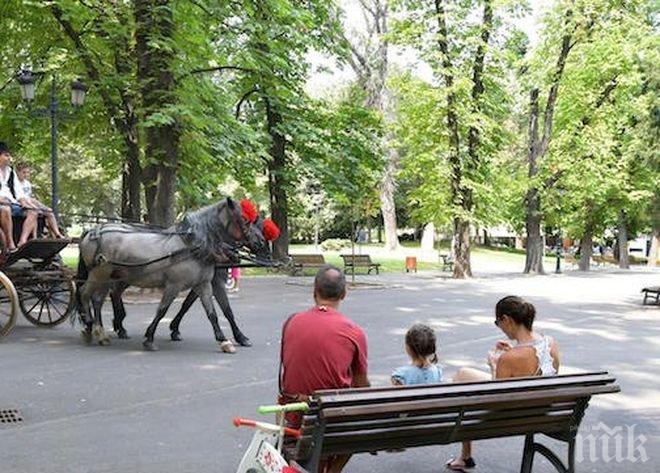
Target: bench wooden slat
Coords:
[[485, 400], [448, 430], [450, 416], [427, 437], [330, 398]]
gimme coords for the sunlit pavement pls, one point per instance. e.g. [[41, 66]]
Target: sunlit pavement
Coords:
[[119, 409]]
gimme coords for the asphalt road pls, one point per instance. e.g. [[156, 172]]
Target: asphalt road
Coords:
[[119, 409]]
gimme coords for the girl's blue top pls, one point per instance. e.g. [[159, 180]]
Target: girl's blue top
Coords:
[[411, 374]]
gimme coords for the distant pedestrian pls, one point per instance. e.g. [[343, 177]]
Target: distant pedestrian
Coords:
[[235, 274]]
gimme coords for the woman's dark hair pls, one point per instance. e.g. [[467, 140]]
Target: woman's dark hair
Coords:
[[420, 339], [521, 311]]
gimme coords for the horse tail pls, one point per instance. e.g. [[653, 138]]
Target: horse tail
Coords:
[[81, 278]]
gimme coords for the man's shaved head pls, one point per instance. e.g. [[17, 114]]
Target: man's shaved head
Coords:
[[330, 283]]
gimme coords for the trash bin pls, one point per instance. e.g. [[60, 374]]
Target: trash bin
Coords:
[[411, 264]]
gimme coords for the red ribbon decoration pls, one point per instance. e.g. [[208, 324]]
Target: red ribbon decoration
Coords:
[[249, 211], [271, 231]]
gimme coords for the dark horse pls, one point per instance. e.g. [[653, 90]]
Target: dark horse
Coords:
[[115, 256]]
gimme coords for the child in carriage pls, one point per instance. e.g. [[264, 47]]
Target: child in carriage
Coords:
[[23, 175], [13, 204]]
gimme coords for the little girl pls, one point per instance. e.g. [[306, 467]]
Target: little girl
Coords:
[[423, 369]]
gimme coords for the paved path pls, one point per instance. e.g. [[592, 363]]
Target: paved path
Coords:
[[118, 409]]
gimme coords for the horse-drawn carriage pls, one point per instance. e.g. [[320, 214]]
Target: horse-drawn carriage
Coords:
[[192, 255], [34, 281]]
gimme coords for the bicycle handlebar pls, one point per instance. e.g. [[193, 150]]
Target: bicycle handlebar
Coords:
[[266, 427], [293, 407]]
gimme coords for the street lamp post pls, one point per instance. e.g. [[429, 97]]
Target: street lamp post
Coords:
[[558, 250], [27, 82]]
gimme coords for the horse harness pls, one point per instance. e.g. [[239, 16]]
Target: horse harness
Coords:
[[96, 234]]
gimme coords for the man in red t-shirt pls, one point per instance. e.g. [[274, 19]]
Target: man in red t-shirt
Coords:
[[322, 349]]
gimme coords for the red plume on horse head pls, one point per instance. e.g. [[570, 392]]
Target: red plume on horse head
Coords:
[[271, 231], [249, 211]]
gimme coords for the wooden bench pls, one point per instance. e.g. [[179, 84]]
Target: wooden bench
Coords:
[[570, 259], [447, 262], [301, 262], [352, 262], [354, 421], [652, 293]]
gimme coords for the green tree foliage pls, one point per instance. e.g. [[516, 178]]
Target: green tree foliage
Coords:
[[591, 176], [453, 126]]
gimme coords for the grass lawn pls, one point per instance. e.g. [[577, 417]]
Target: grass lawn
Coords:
[[390, 262]]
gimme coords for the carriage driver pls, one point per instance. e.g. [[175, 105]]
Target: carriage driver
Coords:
[[13, 203]]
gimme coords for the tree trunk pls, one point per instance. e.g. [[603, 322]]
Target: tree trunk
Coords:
[[534, 247], [462, 266], [655, 236], [537, 148], [149, 180], [461, 198], [125, 65], [428, 238], [277, 182], [622, 240], [655, 247], [131, 208], [123, 113], [154, 27], [371, 67], [586, 248], [387, 205]]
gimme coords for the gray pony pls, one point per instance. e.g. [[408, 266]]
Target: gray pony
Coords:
[[180, 258]]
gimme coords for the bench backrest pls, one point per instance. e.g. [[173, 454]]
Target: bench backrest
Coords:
[[357, 259], [308, 259], [372, 419]]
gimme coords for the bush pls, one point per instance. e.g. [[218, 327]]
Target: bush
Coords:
[[335, 244]]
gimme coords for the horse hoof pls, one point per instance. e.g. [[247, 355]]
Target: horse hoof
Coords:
[[244, 341], [176, 337], [104, 342], [227, 347], [149, 346], [86, 336]]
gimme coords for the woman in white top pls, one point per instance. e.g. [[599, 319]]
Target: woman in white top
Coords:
[[531, 354]]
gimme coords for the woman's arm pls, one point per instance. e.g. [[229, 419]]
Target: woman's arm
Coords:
[[554, 352]]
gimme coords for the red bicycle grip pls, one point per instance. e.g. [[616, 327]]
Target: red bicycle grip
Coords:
[[246, 422]]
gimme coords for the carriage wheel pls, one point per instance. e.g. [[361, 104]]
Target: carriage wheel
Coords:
[[8, 305], [47, 303]]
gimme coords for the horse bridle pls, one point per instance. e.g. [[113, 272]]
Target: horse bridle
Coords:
[[244, 228]]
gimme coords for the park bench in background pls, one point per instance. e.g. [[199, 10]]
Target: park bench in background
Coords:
[[352, 262], [652, 293], [351, 421], [301, 262], [447, 262], [570, 259]]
